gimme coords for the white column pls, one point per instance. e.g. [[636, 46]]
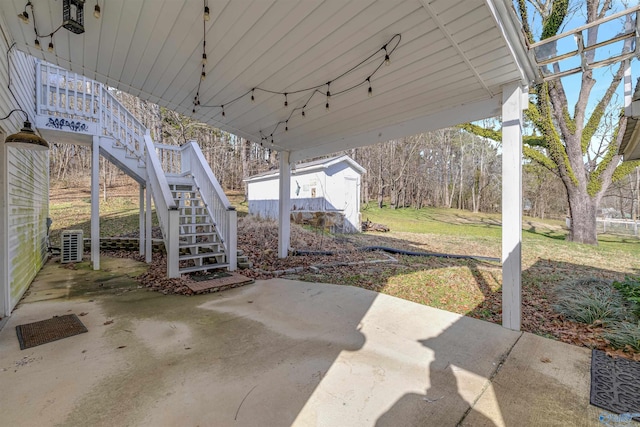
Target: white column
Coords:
[[284, 205], [5, 291], [148, 226], [141, 220], [513, 102], [95, 203], [628, 89]]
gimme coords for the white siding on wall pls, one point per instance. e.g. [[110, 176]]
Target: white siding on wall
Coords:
[[27, 199], [25, 193]]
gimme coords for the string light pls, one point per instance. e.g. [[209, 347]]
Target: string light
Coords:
[[207, 15], [24, 16], [387, 49], [78, 28]]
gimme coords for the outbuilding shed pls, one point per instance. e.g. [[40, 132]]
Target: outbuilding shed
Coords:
[[324, 193]]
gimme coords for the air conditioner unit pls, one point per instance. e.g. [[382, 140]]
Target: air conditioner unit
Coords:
[[72, 246]]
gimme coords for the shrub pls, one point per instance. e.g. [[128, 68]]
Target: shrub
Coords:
[[624, 335], [589, 301], [630, 290]]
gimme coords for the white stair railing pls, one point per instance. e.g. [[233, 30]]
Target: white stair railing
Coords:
[[166, 208], [225, 215], [118, 123]]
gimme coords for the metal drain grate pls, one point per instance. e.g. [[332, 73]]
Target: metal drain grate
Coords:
[[615, 384], [44, 331]]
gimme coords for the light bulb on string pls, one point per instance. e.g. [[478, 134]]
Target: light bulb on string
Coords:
[[204, 59], [24, 16], [37, 44], [223, 113], [253, 98], [96, 11], [370, 90], [387, 59], [286, 126], [286, 102], [326, 106], [303, 114], [207, 15], [51, 46], [203, 75]]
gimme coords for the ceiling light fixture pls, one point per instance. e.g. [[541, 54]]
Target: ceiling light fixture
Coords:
[[26, 138]]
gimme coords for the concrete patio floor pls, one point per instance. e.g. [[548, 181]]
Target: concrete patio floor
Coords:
[[276, 353]]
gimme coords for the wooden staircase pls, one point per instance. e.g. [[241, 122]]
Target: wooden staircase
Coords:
[[201, 247], [198, 223]]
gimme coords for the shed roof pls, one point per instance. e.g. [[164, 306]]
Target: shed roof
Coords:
[[311, 166], [450, 64]]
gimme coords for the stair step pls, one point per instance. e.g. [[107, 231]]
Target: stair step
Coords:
[[188, 245], [177, 180], [201, 255], [203, 268], [203, 234]]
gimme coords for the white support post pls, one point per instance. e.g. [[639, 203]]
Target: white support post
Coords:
[[173, 245], [148, 228], [141, 222], [513, 102], [95, 203], [284, 205], [628, 89], [5, 282], [232, 239]]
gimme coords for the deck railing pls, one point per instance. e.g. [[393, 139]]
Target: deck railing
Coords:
[[66, 95]]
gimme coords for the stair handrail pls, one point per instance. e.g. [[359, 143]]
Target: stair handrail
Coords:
[[225, 215], [166, 207], [118, 122]]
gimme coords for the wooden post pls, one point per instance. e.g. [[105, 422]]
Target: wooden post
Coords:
[[232, 239], [284, 205], [141, 220], [173, 244], [95, 202], [148, 227], [513, 102]]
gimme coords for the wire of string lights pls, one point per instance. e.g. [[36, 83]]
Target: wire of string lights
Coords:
[[321, 89], [24, 17]]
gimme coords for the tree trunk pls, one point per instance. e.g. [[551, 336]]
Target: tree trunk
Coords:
[[582, 209]]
